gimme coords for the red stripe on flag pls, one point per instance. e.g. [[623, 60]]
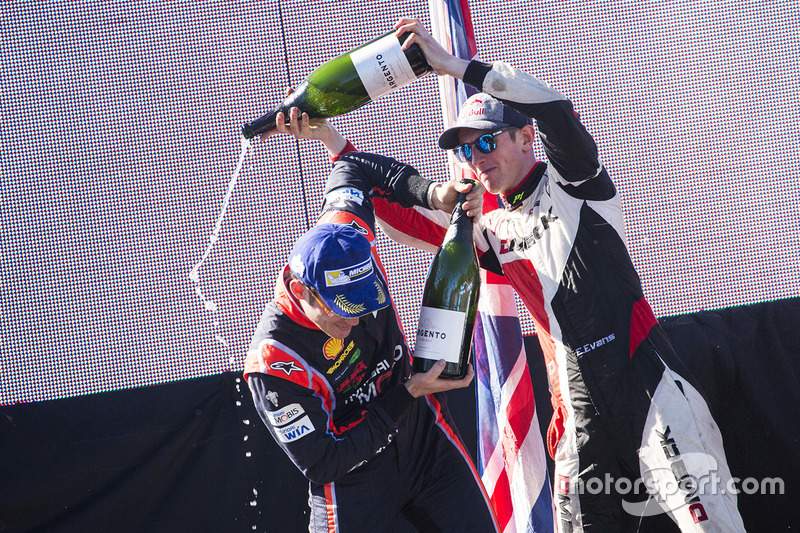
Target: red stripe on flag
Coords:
[[520, 413], [495, 279], [469, 30], [490, 202], [501, 500]]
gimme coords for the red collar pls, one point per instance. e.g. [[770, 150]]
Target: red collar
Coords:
[[514, 198]]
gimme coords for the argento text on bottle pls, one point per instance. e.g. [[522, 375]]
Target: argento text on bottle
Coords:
[[386, 71], [431, 333]]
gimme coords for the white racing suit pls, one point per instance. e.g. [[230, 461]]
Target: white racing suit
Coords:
[[631, 435]]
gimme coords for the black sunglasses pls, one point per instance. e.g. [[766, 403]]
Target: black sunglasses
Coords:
[[485, 144]]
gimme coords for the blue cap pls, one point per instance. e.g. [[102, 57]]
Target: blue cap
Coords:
[[336, 260]]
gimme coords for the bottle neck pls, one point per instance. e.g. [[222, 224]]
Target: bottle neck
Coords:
[[460, 224], [416, 58]]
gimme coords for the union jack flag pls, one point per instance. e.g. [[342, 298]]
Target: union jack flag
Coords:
[[510, 447]]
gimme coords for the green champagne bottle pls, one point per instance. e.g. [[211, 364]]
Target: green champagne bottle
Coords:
[[350, 81], [450, 301]]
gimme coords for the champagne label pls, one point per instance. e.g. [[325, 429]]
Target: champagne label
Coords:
[[382, 66], [439, 334]]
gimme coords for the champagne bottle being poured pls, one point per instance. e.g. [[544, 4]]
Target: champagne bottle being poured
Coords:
[[350, 81]]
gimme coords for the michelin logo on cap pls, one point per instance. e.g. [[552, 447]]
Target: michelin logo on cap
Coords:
[[344, 276]]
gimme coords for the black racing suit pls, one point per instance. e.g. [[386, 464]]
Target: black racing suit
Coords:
[[627, 414], [339, 408]]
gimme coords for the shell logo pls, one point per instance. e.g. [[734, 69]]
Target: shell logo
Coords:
[[332, 348]]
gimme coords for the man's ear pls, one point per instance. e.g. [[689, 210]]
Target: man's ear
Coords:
[[297, 288], [527, 134]]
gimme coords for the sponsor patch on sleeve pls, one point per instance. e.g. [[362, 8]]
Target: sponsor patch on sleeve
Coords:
[[295, 431], [284, 415], [342, 196]]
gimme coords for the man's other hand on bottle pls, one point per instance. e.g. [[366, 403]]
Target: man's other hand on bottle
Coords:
[[429, 382]]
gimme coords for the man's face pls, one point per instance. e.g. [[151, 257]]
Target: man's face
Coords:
[[504, 168], [337, 327]]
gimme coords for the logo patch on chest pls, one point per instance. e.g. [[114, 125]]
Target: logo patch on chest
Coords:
[[527, 241], [332, 348], [343, 357]]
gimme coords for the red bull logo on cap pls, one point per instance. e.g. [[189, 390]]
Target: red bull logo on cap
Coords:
[[472, 108]]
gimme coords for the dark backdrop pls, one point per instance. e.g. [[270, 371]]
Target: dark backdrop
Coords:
[[193, 455]]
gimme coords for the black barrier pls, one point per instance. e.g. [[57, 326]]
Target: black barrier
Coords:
[[194, 456]]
